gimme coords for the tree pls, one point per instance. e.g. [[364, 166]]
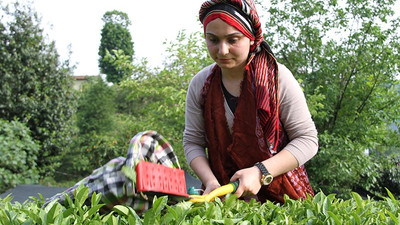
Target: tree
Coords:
[[35, 87], [121, 63], [346, 54], [158, 100], [99, 138], [115, 37], [95, 107]]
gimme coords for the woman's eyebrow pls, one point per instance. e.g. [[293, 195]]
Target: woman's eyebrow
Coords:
[[228, 35]]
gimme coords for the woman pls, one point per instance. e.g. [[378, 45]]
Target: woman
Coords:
[[247, 111]]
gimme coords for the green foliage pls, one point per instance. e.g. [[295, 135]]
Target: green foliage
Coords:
[[18, 154], [321, 209], [35, 87], [390, 178], [342, 171], [157, 101], [115, 38], [92, 151], [103, 134], [96, 107], [347, 56], [109, 116], [121, 63]]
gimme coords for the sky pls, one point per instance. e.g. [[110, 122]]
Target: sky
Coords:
[[78, 24]]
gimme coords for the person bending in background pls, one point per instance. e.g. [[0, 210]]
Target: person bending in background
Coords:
[[247, 111]]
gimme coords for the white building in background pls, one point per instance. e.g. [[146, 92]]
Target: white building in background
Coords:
[[78, 82]]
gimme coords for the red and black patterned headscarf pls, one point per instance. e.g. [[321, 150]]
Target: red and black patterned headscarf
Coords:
[[242, 14], [261, 64]]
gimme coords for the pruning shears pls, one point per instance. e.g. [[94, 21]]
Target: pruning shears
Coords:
[[221, 191]]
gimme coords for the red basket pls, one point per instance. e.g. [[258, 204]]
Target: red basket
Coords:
[[152, 177]]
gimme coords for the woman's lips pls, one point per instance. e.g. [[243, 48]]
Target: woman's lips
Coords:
[[224, 60]]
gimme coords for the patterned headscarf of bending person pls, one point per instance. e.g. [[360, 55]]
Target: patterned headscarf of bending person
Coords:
[[261, 64]]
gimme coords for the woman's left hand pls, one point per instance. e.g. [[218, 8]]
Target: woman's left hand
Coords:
[[250, 181]]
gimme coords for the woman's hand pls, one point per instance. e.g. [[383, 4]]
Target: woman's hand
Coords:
[[202, 169], [210, 186], [250, 181]]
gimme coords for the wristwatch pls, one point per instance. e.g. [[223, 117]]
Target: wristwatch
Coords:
[[266, 177]]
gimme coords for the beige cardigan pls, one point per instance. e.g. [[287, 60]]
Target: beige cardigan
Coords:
[[294, 115]]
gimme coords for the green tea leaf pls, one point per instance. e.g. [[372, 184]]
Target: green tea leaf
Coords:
[[390, 195], [172, 211], [149, 217], [28, 222], [32, 215], [93, 210], [356, 218], [51, 213], [131, 220], [107, 218], [68, 212], [159, 204], [121, 210], [96, 197], [81, 195], [393, 217], [334, 218], [129, 173], [114, 220], [358, 199]]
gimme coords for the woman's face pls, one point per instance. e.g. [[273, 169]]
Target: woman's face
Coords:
[[227, 46]]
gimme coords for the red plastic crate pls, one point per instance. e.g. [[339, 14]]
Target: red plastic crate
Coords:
[[152, 177]]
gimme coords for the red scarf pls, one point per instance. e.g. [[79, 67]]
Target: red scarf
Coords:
[[257, 134], [248, 143]]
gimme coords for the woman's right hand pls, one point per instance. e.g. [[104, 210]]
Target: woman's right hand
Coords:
[[210, 186], [201, 167]]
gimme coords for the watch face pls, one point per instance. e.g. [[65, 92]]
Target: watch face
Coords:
[[267, 179]]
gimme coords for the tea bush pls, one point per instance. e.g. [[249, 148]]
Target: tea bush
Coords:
[[320, 209]]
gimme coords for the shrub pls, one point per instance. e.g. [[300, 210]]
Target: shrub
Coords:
[[92, 150], [95, 107], [18, 154], [390, 178], [340, 166], [321, 209]]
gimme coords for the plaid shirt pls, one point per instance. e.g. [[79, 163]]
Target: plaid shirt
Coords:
[[111, 181]]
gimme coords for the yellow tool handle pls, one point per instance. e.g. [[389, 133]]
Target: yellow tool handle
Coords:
[[218, 192]]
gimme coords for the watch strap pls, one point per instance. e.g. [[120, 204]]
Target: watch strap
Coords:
[[262, 168], [266, 177]]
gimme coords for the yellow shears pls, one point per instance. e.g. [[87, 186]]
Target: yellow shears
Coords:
[[218, 192]]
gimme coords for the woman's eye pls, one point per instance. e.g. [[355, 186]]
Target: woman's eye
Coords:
[[233, 40], [213, 40]]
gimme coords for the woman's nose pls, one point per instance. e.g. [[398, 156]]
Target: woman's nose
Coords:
[[223, 48]]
